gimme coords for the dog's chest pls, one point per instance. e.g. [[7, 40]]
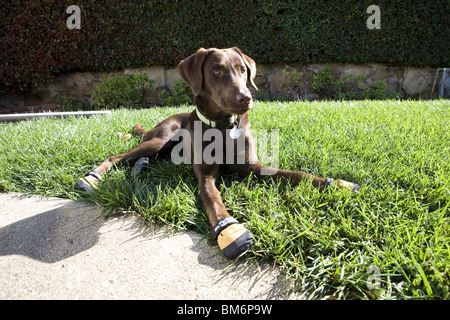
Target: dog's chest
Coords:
[[224, 146]]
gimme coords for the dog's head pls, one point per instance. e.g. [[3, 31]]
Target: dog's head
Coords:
[[220, 76]]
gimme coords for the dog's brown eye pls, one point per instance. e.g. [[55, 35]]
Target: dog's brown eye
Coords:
[[243, 69], [217, 72]]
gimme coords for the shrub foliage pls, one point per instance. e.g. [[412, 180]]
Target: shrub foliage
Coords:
[[120, 34], [127, 90], [180, 94]]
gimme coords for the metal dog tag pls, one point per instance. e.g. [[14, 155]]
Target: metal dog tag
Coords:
[[235, 133]]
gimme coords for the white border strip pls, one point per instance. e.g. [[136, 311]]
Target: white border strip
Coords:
[[24, 116]]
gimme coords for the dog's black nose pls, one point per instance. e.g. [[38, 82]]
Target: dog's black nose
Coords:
[[244, 98]]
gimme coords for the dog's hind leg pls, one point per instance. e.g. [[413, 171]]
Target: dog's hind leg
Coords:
[[138, 130], [261, 171]]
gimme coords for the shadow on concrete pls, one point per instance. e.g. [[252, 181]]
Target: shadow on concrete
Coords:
[[251, 271], [53, 235]]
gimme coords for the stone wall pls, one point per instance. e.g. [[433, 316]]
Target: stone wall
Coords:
[[270, 80], [80, 85]]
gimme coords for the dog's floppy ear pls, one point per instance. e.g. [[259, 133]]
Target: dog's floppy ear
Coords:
[[250, 64], [190, 70]]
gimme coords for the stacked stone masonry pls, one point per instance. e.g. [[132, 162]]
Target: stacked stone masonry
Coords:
[[270, 80]]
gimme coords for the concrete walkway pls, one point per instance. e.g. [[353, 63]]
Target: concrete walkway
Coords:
[[53, 248]]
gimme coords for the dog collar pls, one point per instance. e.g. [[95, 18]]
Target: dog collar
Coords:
[[222, 123]]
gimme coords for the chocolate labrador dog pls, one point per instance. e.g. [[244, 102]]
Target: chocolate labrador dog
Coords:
[[214, 138]]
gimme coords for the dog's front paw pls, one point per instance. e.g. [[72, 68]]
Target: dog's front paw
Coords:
[[89, 182], [343, 185], [232, 237]]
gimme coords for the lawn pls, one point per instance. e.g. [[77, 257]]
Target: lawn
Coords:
[[390, 241]]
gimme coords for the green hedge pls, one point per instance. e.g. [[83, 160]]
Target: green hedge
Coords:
[[36, 44]]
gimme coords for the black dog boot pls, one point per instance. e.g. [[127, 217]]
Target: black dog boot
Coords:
[[88, 182], [342, 184], [233, 238], [142, 165]]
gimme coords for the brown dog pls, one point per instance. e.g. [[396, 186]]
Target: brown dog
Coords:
[[218, 78]]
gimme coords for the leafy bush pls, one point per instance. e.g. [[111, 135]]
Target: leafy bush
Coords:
[[73, 104], [375, 91], [346, 87], [123, 91], [323, 82], [181, 94], [297, 84], [394, 95], [36, 44]]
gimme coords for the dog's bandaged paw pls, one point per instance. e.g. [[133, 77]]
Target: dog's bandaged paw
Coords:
[[142, 165], [88, 182], [232, 237], [342, 184]]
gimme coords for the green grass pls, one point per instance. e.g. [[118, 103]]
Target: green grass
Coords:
[[327, 242]]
